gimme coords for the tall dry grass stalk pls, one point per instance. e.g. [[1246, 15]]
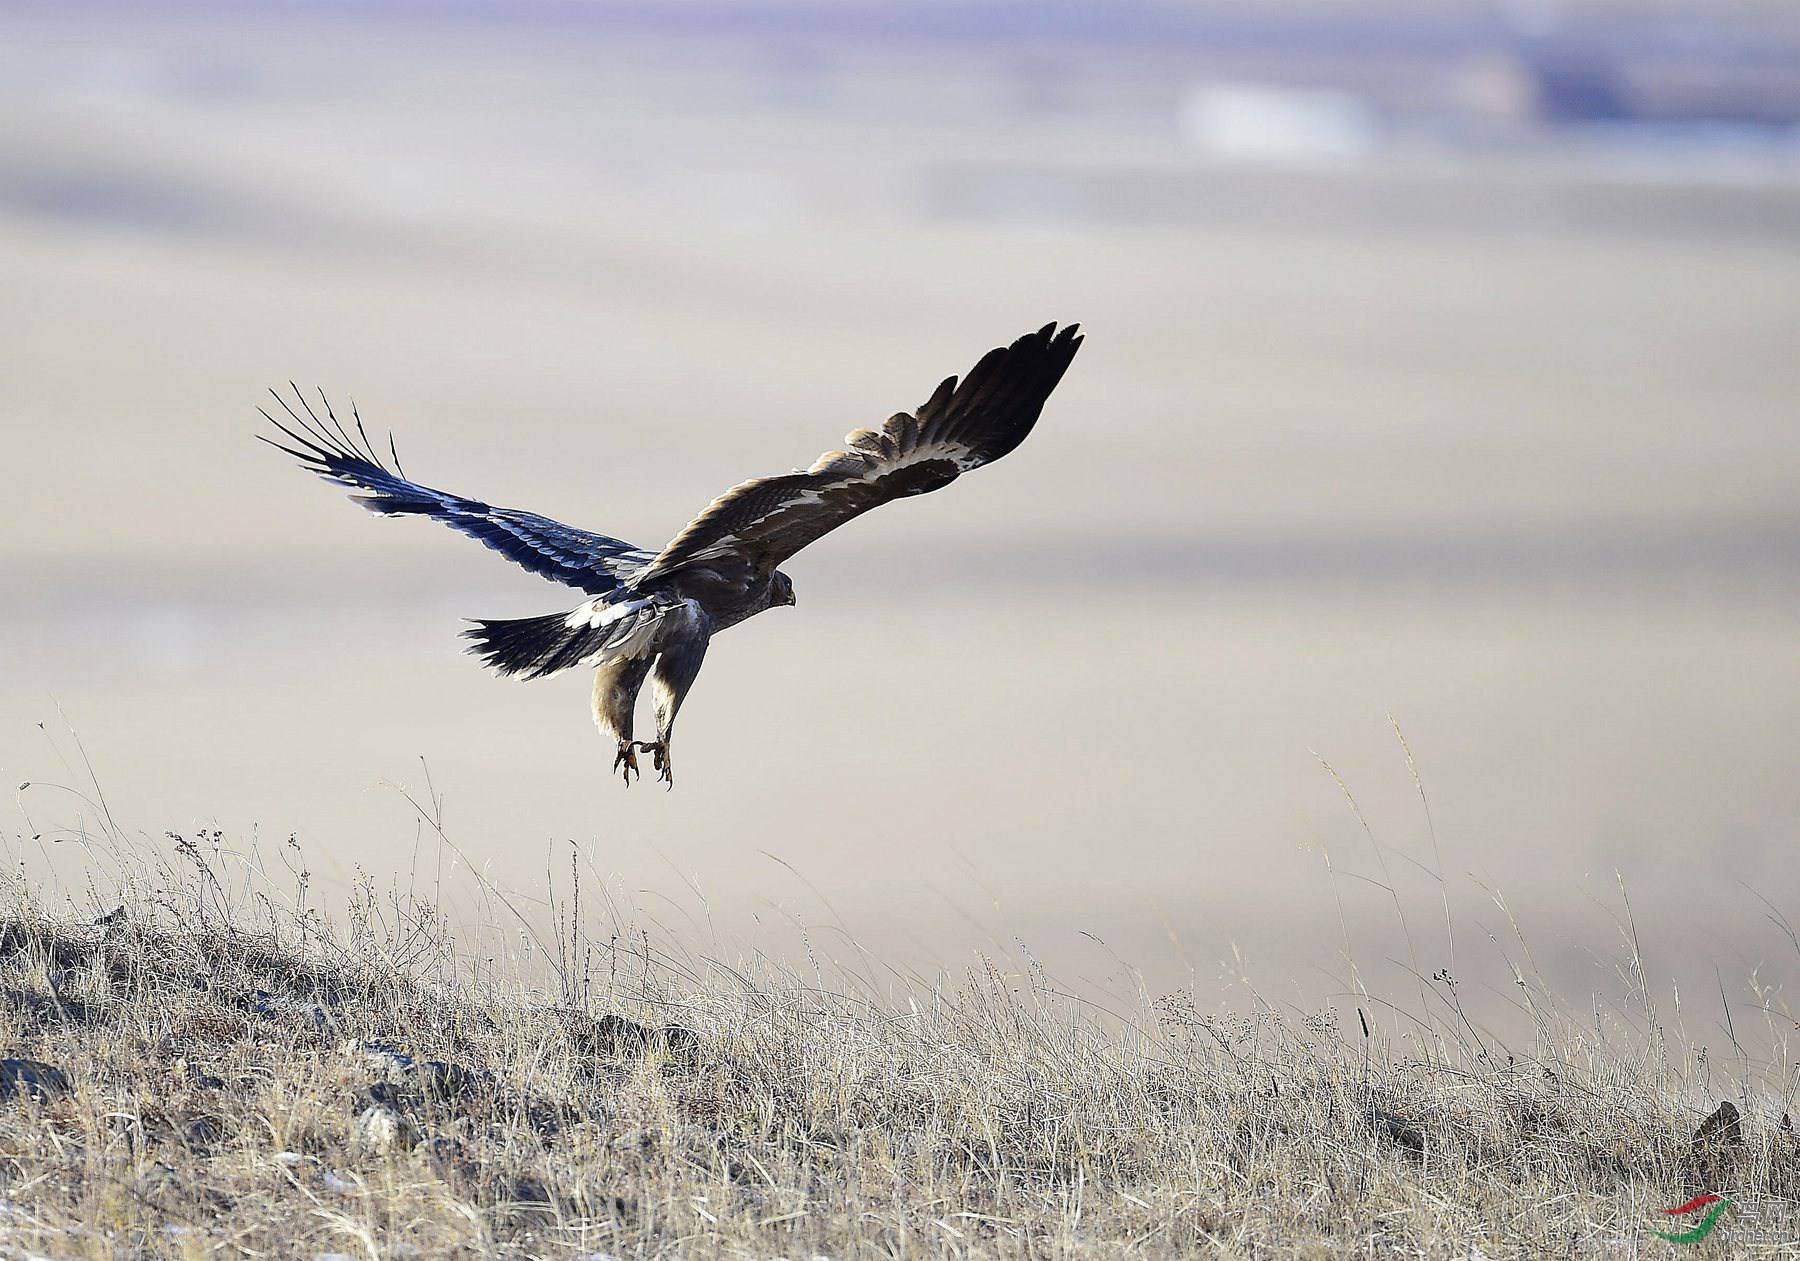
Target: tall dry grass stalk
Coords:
[[209, 1062]]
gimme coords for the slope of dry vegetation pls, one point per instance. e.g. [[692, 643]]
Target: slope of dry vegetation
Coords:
[[198, 1073]]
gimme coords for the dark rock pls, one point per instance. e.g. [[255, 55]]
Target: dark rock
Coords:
[[548, 1119], [530, 1191], [620, 1208], [429, 1092], [57, 949], [261, 1003], [607, 1035], [435, 1087], [450, 1158], [275, 1007], [524, 1195], [684, 1044], [201, 1080], [33, 1079], [1718, 1148], [203, 1132], [614, 1036], [391, 1095], [47, 1011], [1724, 1125], [454, 1083], [1401, 1132], [388, 1052]]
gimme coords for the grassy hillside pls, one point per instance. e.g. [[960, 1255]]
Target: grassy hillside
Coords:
[[198, 1072]]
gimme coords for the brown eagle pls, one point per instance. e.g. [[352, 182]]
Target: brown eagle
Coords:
[[652, 614]]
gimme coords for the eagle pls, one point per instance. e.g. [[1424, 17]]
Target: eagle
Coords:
[[651, 614]]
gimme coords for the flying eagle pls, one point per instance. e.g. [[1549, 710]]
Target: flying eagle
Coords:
[[652, 614]]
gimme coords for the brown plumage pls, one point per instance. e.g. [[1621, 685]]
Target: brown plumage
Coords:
[[652, 615]]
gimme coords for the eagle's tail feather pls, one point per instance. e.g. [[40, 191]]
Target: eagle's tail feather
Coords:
[[535, 646], [530, 646]]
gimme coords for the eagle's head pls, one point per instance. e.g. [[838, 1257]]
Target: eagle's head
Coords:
[[781, 590]]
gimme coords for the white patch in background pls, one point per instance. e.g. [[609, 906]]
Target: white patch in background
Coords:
[[1253, 122]]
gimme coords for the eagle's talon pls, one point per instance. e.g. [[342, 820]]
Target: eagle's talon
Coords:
[[660, 760], [625, 761]]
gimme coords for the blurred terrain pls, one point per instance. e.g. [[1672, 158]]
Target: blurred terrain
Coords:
[[1441, 365]]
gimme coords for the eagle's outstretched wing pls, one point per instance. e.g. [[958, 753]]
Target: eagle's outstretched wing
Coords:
[[760, 523], [591, 562]]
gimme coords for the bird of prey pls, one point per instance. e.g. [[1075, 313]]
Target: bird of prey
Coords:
[[652, 614]]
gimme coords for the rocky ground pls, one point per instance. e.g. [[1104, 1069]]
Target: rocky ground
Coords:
[[177, 1086]]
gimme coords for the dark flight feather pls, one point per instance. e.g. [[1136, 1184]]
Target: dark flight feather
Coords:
[[756, 525], [717, 571], [589, 562]]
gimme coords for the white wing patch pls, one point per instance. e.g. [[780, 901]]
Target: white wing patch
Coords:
[[601, 612], [626, 628]]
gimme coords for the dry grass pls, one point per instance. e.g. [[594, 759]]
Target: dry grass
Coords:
[[245, 1076]]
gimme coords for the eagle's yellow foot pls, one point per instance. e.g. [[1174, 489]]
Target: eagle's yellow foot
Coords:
[[659, 758], [625, 761]]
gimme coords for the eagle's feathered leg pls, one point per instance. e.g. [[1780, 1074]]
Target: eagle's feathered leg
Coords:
[[676, 670], [616, 685]]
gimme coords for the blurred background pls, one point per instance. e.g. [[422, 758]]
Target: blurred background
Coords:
[[1442, 371]]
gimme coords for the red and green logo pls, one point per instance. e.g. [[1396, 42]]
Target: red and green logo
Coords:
[[1718, 1205]]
